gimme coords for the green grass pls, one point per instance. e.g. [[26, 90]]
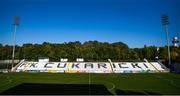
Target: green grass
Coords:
[[156, 83]]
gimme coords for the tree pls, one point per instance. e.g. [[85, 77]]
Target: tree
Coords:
[[89, 50]]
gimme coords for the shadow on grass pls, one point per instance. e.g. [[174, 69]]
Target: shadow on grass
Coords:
[[67, 89], [63, 89], [128, 92]]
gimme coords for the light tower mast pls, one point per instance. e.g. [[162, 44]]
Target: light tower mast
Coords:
[[165, 23], [16, 23]]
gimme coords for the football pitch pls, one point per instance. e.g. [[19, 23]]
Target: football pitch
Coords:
[[77, 83]]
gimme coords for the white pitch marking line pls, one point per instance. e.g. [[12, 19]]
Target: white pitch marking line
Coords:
[[113, 86]]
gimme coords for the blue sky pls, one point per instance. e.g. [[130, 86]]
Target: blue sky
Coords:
[[134, 22]]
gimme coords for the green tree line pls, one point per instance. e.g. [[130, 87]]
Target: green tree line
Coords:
[[90, 51]]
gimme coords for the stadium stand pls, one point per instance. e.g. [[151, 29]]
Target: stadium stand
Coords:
[[43, 65]]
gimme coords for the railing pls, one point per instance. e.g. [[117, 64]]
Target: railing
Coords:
[[8, 61], [164, 67]]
